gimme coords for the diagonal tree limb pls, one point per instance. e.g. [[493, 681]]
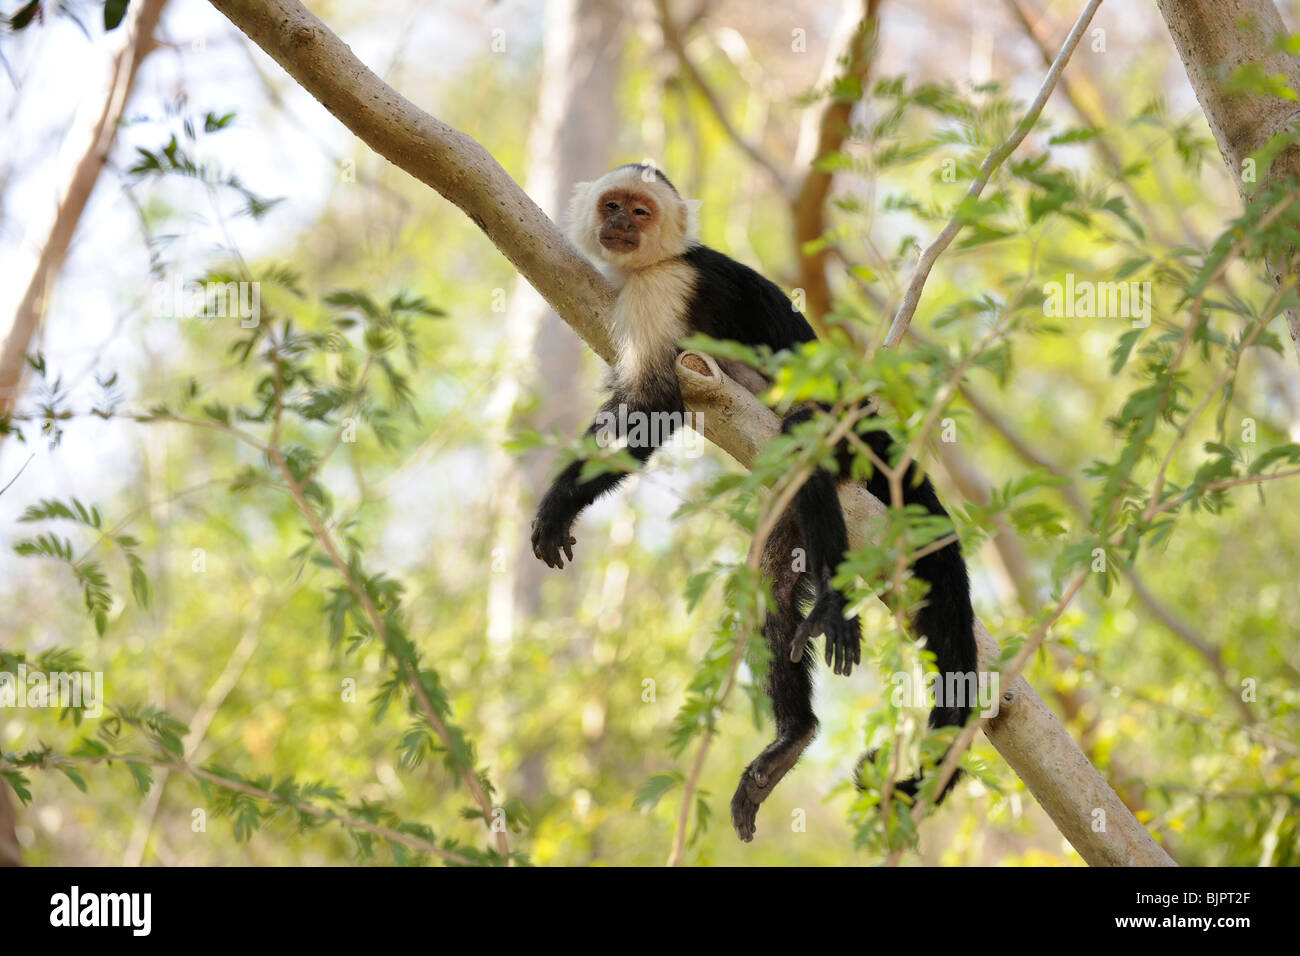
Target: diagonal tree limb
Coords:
[[1026, 733]]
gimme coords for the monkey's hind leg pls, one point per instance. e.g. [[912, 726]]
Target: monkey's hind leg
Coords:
[[789, 684]]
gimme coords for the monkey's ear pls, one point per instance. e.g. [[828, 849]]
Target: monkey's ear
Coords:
[[690, 219], [578, 205]]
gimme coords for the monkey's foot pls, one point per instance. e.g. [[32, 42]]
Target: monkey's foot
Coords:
[[843, 634], [761, 777], [744, 805], [550, 538]]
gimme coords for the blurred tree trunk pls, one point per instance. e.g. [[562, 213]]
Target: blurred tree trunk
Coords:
[[1213, 38], [542, 386], [138, 43], [9, 851], [568, 143]]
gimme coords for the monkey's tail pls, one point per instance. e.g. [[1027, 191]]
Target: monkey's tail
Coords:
[[946, 621]]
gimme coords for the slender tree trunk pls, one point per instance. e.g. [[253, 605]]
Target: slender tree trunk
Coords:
[[809, 206], [139, 42], [1213, 38]]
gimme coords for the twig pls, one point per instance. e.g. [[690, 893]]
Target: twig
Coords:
[[237, 786], [916, 285]]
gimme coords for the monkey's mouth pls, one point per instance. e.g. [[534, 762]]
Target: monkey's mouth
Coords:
[[619, 244]]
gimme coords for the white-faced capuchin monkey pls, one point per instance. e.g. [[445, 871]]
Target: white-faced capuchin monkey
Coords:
[[637, 229]]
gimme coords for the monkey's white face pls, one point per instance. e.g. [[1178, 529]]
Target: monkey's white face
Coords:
[[626, 222]]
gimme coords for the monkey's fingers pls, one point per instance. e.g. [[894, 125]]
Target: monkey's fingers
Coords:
[[568, 548], [840, 639], [834, 653]]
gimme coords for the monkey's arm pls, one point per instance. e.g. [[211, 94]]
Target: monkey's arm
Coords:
[[568, 496]]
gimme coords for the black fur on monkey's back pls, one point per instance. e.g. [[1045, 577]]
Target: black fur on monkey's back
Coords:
[[730, 301], [734, 302]]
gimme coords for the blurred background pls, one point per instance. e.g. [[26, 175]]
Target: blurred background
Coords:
[[546, 670]]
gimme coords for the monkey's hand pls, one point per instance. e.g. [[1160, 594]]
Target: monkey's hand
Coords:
[[843, 634], [551, 536]]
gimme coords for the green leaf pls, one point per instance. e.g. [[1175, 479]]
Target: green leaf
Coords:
[[653, 790], [114, 11], [77, 780], [1287, 453], [19, 783], [1123, 348], [142, 775], [1076, 135], [212, 122]]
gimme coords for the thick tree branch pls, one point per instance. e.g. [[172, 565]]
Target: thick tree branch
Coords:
[[441, 157], [1026, 733]]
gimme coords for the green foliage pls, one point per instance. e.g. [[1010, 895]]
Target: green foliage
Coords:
[[332, 475], [89, 574]]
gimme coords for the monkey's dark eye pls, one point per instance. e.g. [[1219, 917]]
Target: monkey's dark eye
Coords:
[[611, 205], [641, 212]]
